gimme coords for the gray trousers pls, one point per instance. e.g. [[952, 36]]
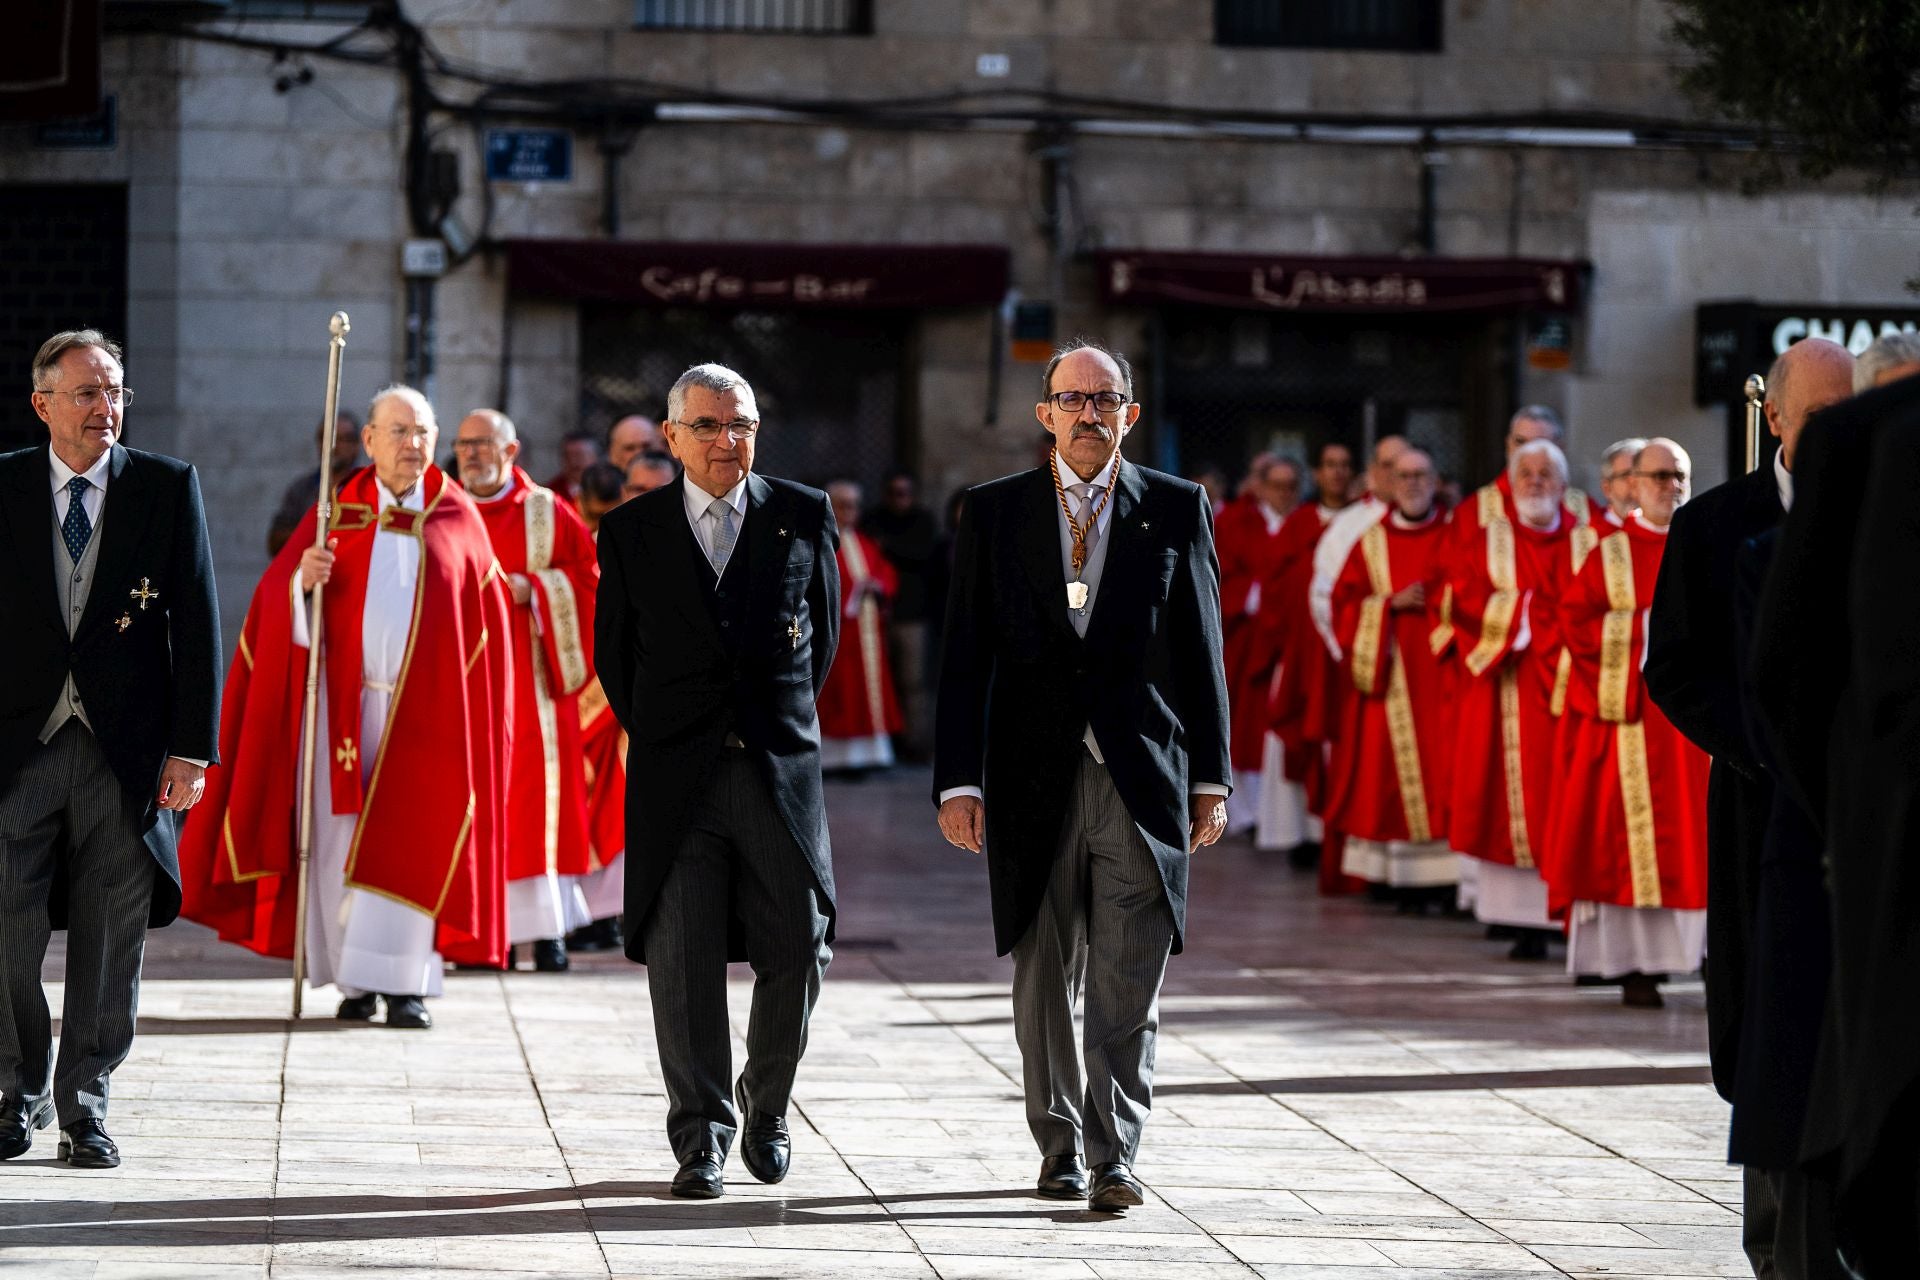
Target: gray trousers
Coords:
[[66, 812], [1104, 925], [738, 860]]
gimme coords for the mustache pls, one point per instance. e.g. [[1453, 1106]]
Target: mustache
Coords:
[[1095, 431]]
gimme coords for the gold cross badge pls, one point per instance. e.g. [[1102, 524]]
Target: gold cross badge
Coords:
[[124, 621], [793, 631], [143, 593], [346, 753]]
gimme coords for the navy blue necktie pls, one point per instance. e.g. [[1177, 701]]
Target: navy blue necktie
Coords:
[[76, 528]]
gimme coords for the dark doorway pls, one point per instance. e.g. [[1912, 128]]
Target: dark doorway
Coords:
[[63, 265], [832, 387], [1227, 385]]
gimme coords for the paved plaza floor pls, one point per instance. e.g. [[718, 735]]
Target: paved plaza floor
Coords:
[[1341, 1094]]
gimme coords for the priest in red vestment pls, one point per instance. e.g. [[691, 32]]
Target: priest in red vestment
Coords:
[[1627, 837], [1505, 592], [1247, 539], [859, 711], [1293, 767], [552, 573], [410, 785], [1388, 778]]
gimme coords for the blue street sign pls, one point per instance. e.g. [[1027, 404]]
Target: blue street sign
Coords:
[[529, 155]]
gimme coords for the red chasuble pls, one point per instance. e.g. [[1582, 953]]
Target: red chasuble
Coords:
[[538, 536], [1306, 668], [857, 700], [1629, 818], [1505, 593], [1388, 779], [1249, 558], [1494, 501], [431, 831]]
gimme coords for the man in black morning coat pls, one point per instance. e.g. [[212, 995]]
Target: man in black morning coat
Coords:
[[718, 612], [1693, 673], [108, 718], [1081, 736], [1835, 686]]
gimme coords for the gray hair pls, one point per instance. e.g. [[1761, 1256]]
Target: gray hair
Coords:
[[504, 432], [1539, 413], [1086, 344], [48, 357], [712, 377], [1888, 351], [422, 409], [1551, 451], [651, 461], [1632, 446]]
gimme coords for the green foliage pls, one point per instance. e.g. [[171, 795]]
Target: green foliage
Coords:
[[1835, 84]]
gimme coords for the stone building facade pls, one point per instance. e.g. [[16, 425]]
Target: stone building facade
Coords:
[[265, 184]]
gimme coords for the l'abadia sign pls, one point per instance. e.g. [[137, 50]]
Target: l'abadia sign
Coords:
[[1376, 285]]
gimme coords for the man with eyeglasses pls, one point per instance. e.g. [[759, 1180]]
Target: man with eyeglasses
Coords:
[[112, 652], [1616, 479], [718, 615], [1626, 853], [1081, 742], [1765, 993], [414, 731], [547, 554]]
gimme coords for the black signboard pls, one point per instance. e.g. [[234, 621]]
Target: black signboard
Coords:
[[529, 155], [1733, 340], [97, 132]]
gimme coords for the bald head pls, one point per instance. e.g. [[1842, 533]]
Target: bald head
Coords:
[[1380, 478], [1809, 376], [633, 435], [1662, 479], [1414, 482], [485, 446]]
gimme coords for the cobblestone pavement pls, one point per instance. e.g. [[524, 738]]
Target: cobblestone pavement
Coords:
[[1342, 1094]]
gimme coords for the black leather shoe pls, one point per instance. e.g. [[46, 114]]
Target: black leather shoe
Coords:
[[601, 935], [1115, 1189], [765, 1147], [699, 1177], [17, 1126], [550, 956], [86, 1146], [358, 1008], [409, 1013], [1062, 1178], [1529, 944]]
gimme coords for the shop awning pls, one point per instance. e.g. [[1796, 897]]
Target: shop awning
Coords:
[[1258, 282], [760, 276]]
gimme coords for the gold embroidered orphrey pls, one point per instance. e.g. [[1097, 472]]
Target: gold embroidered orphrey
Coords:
[[1077, 591], [346, 753], [1401, 732], [143, 593]]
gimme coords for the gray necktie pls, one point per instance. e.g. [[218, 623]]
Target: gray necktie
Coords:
[[1086, 494], [724, 535]]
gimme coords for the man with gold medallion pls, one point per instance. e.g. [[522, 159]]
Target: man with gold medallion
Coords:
[[1081, 741], [416, 728]]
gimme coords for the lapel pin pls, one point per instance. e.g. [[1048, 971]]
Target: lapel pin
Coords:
[[143, 593], [124, 621], [793, 632], [1145, 525], [782, 532]]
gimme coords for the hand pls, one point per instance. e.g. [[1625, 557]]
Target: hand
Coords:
[[1209, 820], [520, 587], [1413, 597], [316, 566], [182, 783], [963, 821]]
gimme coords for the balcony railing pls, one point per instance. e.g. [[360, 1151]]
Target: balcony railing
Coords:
[[1408, 26], [803, 17]]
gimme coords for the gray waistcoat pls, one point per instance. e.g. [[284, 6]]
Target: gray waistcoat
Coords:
[[72, 583]]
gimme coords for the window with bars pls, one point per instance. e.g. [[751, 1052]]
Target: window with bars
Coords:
[[804, 17], [1406, 26]]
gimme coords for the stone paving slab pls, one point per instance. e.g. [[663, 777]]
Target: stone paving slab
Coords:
[[1342, 1095]]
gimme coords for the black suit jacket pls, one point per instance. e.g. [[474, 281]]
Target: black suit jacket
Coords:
[[670, 680], [1692, 673], [152, 689], [1018, 686]]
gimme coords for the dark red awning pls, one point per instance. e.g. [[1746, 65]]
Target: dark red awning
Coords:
[[1252, 282], [760, 276]]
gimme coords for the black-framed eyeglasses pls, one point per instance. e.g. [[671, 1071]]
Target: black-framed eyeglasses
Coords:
[[1075, 401], [706, 430], [90, 397], [475, 446], [1663, 477]]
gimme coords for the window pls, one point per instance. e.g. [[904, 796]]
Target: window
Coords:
[[1408, 26], [805, 17]]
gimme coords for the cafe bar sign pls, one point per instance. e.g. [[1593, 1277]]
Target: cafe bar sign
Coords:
[[1364, 285], [760, 276], [1732, 340]]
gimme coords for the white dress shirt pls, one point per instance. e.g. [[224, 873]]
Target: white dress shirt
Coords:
[[1783, 478], [706, 527]]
